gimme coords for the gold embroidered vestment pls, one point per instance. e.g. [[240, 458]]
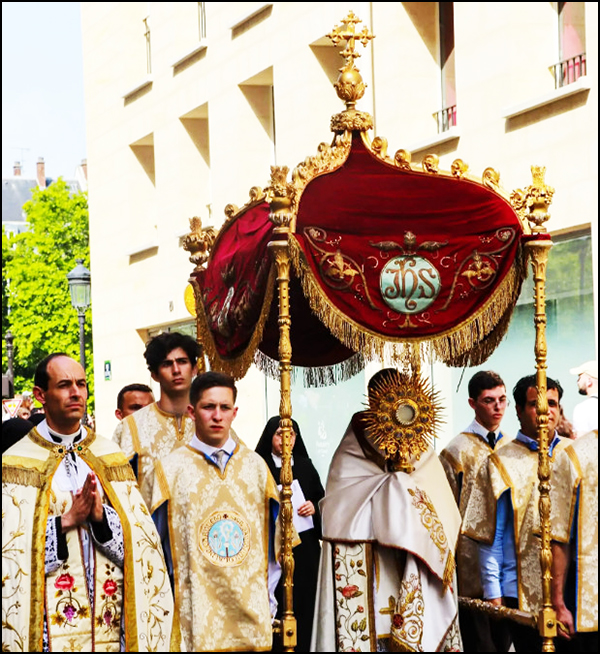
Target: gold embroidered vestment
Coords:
[[512, 468], [574, 497], [140, 592], [387, 575], [219, 531], [152, 434], [461, 460]]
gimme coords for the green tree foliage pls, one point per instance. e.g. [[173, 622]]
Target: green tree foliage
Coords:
[[40, 314]]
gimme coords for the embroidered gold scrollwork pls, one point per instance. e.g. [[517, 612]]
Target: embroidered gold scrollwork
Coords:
[[407, 620], [155, 577], [12, 588], [337, 269], [430, 520], [480, 269], [410, 245]]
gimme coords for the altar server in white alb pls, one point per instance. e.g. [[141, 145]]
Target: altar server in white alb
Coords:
[[162, 426], [215, 504], [82, 564]]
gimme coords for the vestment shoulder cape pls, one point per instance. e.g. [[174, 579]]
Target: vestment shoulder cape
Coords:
[[461, 459], [151, 434], [513, 469], [150, 619]]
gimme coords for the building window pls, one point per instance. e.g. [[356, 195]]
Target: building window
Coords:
[[446, 117], [571, 43], [187, 327], [202, 20], [570, 331], [148, 50]]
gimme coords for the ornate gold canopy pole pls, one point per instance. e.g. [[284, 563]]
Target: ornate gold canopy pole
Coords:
[[533, 202], [281, 193], [198, 243]]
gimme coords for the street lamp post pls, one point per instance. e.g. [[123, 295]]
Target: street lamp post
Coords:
[[79, 287], [9, 359], [8, 380]]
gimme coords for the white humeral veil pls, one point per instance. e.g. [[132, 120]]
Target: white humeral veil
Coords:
[[387, 572]]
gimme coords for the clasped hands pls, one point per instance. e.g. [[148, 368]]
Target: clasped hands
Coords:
[[86, 507], [307, 509]]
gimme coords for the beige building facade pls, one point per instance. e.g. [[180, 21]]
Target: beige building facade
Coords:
[[189, 104]]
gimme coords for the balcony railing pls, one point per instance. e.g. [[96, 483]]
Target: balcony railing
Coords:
[[570, 70], [445, 118]]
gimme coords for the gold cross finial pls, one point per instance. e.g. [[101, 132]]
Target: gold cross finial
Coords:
[[350, 35], [349, 86]]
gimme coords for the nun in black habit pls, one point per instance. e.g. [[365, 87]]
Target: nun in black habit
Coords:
[[307, 554]]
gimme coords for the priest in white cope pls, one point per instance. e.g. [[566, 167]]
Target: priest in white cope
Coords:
[[82, 564], [387, 579]]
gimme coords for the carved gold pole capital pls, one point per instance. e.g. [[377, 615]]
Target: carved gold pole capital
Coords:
[[281, 195], [532, 202], [199, 242]]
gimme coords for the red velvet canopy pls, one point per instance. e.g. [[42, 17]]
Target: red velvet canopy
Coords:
[[383, 253]]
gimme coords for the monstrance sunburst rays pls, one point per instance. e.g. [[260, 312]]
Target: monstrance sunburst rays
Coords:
[[402, 417]]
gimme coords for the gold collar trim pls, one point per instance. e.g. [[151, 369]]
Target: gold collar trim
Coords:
[[59, 450]]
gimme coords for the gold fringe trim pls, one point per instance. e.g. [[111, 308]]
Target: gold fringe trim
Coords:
[[313, 376], [473, 340], [123, 472], [22, 476], [270, 367], [449, 570], [320, 376], [114, 459], [163, 484], [238, 366], [38, 555]]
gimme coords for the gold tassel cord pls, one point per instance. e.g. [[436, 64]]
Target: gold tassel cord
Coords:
[[449, 571], [482, 330]]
